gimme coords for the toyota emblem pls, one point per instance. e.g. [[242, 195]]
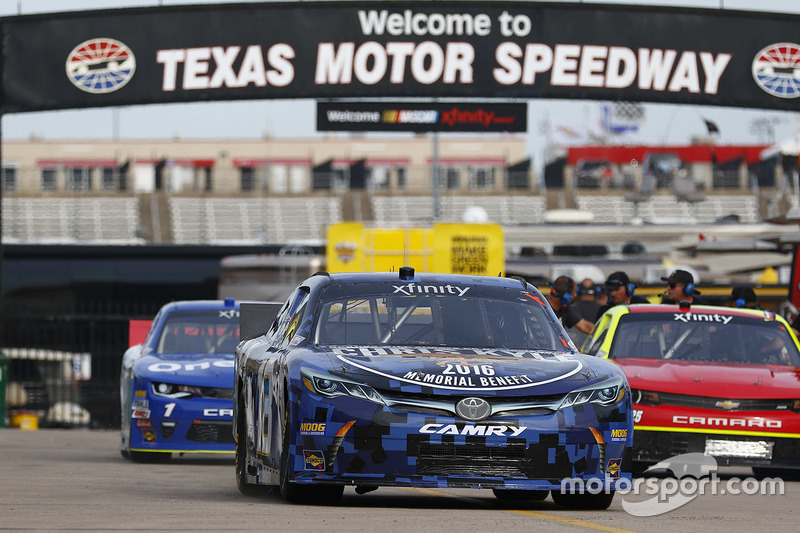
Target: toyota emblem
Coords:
[[473, 409]]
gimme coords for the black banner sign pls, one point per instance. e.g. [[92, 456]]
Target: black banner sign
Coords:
[[334, 50], [421, 117]]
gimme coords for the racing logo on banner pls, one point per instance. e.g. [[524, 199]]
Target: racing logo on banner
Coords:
[[100, 66], [776, 70]]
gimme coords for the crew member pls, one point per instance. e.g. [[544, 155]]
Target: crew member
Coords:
[[743, 297], [620, 290], [586, 303], [561, 295], [680, 288]]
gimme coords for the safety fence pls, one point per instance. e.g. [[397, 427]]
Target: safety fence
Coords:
[[64, 363]]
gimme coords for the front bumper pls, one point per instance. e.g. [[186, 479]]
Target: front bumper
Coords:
[[338, 442], [195, 425]]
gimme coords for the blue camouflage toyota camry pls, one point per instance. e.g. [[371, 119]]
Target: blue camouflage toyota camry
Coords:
[[176, 387], [407, 379]]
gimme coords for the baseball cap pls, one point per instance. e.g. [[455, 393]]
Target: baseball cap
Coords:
[[617, 279], [744, 293], [681, 276]]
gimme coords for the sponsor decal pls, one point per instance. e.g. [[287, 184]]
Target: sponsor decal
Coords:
[[229, 313], [726, 422], [140, 393], [100, 66], [148, 436], [471, 430], [455, 376], [190, 367], [612, 469], [619, 435], [140, 404], [727, 404], [467, 381], [776, 70], [312, 428], [144, 424], [414, 288], [700, 317], [314, 460], [140, 413], [210, 413], [333, 448]]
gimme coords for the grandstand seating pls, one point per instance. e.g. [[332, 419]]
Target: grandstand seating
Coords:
[[617, 210], [418, 210], [276, 220], [83, 219], [252, 220]]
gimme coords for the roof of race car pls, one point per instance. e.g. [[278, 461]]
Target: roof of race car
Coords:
[[674, 308], [199, 305], [408, 275]]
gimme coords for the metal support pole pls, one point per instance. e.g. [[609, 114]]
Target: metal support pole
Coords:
[[436, 177]]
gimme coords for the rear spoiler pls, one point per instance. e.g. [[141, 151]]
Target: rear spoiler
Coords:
[[255, 318]]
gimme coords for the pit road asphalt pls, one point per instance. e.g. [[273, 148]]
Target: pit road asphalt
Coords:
[[76, 480]]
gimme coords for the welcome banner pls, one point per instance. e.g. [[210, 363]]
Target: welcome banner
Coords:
[[335, 50]]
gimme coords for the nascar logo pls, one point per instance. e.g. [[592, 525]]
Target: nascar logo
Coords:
[[100, 66], [776, 70]]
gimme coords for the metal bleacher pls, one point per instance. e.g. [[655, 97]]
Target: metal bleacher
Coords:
[[655, 209], [84, 219], [251, 220], [418, 210]]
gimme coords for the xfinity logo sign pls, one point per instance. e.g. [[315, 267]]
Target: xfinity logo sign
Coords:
[[411, 289], [696, 317]]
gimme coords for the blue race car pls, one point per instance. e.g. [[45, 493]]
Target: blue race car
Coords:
[[426, 380], [176, 388]]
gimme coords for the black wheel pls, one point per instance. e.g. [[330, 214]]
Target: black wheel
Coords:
[[520, 494], [585, 500], [150, 457], [294, 493], [245, 487]]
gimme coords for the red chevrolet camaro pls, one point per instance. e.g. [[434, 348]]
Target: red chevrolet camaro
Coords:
[[714, 380]]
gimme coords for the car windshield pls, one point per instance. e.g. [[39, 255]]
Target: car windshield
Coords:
[[704, 337], [211, 331], [435, 314]]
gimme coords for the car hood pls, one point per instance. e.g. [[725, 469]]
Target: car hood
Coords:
[[716, 380], [457, 371], [201, 370]]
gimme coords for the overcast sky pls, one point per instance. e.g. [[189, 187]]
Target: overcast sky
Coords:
[[664, 124]]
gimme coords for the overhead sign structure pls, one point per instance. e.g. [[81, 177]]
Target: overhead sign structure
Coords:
[[334, 50], [421, 117]]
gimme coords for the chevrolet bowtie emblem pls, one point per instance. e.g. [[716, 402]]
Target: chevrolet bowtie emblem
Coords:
[[727, 404]]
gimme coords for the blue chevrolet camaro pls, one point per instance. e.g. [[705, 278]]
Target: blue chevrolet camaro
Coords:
[[425, 380], [176, 387]]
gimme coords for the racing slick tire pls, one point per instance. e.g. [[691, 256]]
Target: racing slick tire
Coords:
[[150, 457], [583, 500], [307, 494], [520, 494], [245, 487]]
